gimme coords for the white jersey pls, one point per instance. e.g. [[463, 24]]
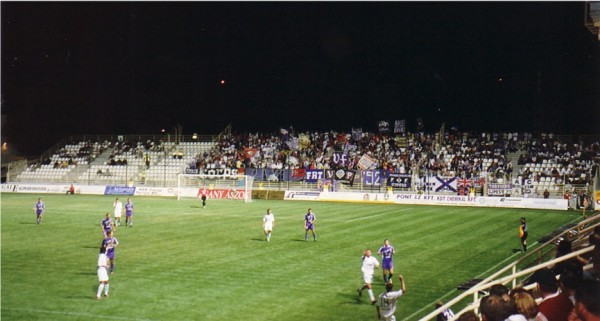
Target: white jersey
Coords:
[[118, 208], [369, 264], [387, 304], [268, 221], [102, 268]]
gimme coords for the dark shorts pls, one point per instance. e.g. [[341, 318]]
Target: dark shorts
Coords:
[[128, 214], [310, 227], [524, 237]]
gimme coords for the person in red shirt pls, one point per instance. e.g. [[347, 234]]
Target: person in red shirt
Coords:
[[555, 305]]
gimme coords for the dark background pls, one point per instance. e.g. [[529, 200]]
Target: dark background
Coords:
[[139, 67]]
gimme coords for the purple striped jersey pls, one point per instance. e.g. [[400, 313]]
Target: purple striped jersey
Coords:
[[129, 208], [107, 224], [386, 252], [39, 207]]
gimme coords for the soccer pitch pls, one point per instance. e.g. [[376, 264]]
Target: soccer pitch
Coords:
[[182, 262]]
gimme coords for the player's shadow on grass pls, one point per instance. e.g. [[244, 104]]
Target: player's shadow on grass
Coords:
[[259, 240], [31, 223], [87, 273], [195, 206], [350, 298], [516, 250]]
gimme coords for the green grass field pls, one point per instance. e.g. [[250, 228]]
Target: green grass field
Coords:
[[182, 262]]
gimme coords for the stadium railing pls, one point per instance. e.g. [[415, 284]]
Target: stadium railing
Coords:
[[531, 262]]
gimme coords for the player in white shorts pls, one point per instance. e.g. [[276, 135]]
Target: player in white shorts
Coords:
[[386, 302], [102, 273], [369, 264], [268, 224], [118, 210]]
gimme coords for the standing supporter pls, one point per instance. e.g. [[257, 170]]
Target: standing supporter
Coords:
[[369, 264], [555, 305], [387, 265], [40, 209], [386, 302], [587, 302]]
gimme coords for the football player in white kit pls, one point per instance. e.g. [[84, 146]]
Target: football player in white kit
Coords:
[[386, 302], [369, 264]]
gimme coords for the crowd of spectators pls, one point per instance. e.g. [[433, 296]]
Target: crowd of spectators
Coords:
[[459, 154], [565, 162]]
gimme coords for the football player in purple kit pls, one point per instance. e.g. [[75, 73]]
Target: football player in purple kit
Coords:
[[39, 209], [387, 265], [309, 224], [110, 242], [129, 212], [107, 225]]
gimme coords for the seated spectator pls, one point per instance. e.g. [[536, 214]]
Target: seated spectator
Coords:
[[587, 302], [468, 316], [445, 315], [495, 308], [555, 305], [525, 305], [575, 264], [501, 291]]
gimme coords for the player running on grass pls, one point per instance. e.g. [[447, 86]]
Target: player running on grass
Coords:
[[387, 265], [107, 224], [40, 209], [369, 264], [386, 302], [102, 274], [110, 243], [268, 224]]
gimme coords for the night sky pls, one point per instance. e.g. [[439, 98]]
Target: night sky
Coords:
[[137, 67]]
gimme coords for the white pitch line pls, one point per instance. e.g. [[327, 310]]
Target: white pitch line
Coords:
[[445, 295], [370, 216], [75, 314]]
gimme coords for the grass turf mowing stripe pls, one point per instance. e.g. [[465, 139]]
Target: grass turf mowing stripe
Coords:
[[182, 262]]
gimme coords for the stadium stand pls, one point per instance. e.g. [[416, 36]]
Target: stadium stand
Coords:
[[552, 164]]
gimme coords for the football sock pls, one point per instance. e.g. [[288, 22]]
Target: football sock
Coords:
[[306, 237], [391, 277], [106, 289], [100, 287], [385, 279], [371, 296], [315, 237]]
